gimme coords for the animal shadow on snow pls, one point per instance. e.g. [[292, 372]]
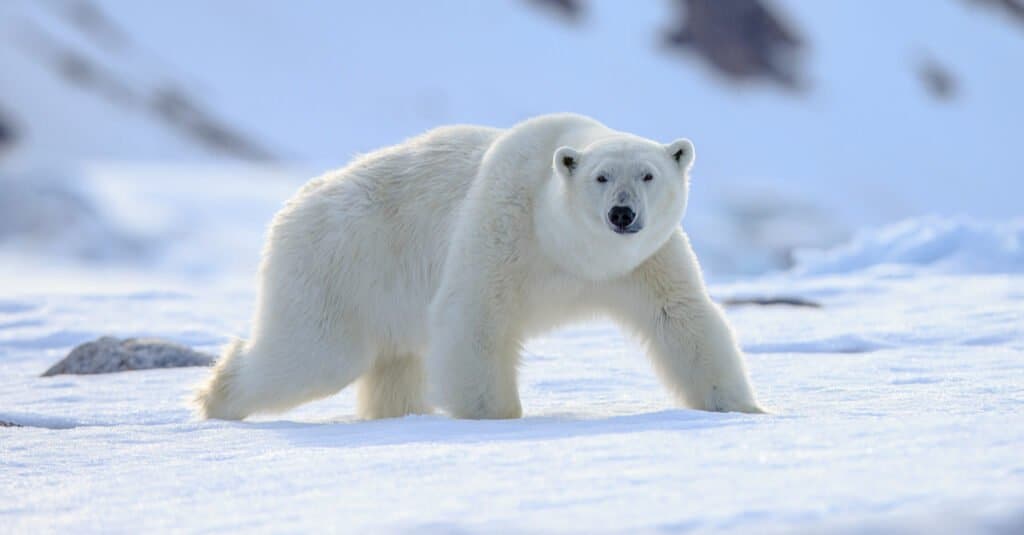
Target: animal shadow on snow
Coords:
[[439, 429]]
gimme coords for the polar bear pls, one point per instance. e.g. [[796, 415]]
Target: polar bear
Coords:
[[420, 269]]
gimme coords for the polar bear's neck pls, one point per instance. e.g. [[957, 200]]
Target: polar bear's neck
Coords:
[[578, 250]]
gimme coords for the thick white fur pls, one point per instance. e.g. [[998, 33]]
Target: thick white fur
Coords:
[[430, 263]]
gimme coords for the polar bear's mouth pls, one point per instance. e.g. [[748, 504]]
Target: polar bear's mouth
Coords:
[[627, 230]]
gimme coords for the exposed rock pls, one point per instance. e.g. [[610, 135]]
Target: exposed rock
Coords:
[[100, 70], [571, 10], [1011, 8], [772, 301], [6, 132], [89, 19], [743, 39], [937, 79], [109, 355], [9, 424]]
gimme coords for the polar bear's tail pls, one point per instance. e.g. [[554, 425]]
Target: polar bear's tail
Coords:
[[221, 396]]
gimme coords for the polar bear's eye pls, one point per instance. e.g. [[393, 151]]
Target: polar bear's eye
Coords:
[[602, 179], [648, 177]]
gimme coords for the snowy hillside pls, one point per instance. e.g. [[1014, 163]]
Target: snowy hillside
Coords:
[[865, 142], [78, 88]]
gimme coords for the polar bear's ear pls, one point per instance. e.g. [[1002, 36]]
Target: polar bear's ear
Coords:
[[681, 150], [567, 159]]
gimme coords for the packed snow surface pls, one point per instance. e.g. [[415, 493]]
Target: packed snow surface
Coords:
[[897, 405]]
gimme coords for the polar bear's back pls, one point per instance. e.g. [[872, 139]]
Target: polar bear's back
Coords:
[[371, 238]]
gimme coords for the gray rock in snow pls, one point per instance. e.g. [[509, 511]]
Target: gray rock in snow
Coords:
[[109, 355]]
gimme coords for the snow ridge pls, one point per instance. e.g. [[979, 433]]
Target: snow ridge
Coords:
[[959, 245]]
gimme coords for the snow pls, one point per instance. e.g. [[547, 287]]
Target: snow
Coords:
[[775, 170], [120, 218], [896, 406], [954, 245]]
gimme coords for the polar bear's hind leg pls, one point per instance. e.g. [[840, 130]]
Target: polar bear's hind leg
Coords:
[[255, 378], [394, 387]]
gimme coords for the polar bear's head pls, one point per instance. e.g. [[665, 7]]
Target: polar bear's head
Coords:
[[625, 195]]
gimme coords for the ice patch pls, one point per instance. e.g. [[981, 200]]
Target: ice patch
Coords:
[[951, 246]]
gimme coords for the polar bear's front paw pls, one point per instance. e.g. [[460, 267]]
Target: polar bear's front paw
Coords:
[[749, 408], [721, 400], [486, 409]]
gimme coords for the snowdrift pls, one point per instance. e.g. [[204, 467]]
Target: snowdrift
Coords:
[[937, 245]]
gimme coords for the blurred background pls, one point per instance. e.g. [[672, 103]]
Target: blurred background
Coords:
[[160, 137]]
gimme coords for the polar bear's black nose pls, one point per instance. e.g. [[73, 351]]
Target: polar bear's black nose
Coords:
[[621, 216]]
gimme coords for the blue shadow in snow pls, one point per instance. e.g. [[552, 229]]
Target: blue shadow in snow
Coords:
[[440, 429]]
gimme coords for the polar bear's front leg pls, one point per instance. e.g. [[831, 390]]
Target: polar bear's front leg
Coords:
[[472, 358], [689, 340]]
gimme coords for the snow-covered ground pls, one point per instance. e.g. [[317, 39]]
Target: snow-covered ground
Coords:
[[897, 405]]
